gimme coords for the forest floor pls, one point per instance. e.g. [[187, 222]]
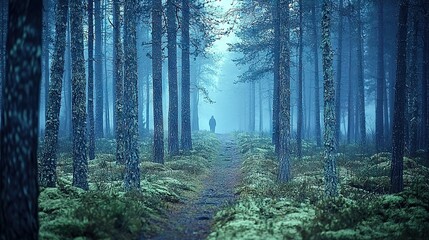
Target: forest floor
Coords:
[[193, 219]]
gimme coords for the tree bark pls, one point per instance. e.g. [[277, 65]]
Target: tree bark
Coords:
[[19, 189], [331, 178], [339, 76], [48, 174], [132, 170], [157, 81], [276, 51], [98, 72], [300, 117], [284, 174], [397, 168], [119, 83], [173, 128], [379, 121], [316, 78], [91, 136], [186, 105], [80, 161], [360, 82]]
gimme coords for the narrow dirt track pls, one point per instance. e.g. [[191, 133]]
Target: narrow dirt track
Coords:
[[194, 219]]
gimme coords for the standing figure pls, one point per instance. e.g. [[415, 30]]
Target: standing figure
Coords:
[[212, 124]]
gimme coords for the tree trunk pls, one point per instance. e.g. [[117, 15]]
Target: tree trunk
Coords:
[[396, 173], [276, 101], [252, 107], [91, 137], [132, 170], [98, 72], [48, 174], [68, 83], [350, 104], [119, 83], [360, 82], [20, 118], [316, 78], [45, 51], [331, 179], [339, 76], [3, 30], [80, 161], [284, 174], [186, 106], [425, 95], [413, 137], [379, 128], [300, 117], [157, 81], [173, 128]]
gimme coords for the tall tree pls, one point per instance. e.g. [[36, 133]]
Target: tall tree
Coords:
[[19, 126], [80, 161], [91, 136], [425, 80], [360, 81], [48, 174], [98, 72], [300, 117], [118, 82], [339, 74], [379, 121], [173, 102], [350, 101], [186, 80], [396, 173], [45, 54], [3, 30], [284, 174], [316, 78], [132, 171], [276, 74], [413, 101], [158, 136], [331, 179]]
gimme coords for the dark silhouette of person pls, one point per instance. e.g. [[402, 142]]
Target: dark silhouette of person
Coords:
[[212, 124]]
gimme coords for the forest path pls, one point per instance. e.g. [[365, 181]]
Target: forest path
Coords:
[[193, 220]]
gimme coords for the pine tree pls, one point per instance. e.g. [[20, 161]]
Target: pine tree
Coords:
[[331, 178], [316, 78], [173, 125], [360, 82], [398, 141], [379, 127], [91, 136], [157, 81], [80, 161], [186, 139], [20, 121], [132, 171], [98, 72], [339, 74], [284, 174], [119, 83], [300, 82], [49, 158]]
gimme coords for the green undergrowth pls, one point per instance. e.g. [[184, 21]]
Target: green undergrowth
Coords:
[[299, 210], [106, 211]]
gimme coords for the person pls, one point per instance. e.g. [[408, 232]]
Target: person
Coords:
[[212, 124]]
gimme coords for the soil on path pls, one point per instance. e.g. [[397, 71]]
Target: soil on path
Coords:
[[194, 219]]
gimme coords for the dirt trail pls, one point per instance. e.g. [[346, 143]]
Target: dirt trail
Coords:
[[193, 220]]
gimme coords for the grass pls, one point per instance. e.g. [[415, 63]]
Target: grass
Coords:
[[299, 209], [106, 211]]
